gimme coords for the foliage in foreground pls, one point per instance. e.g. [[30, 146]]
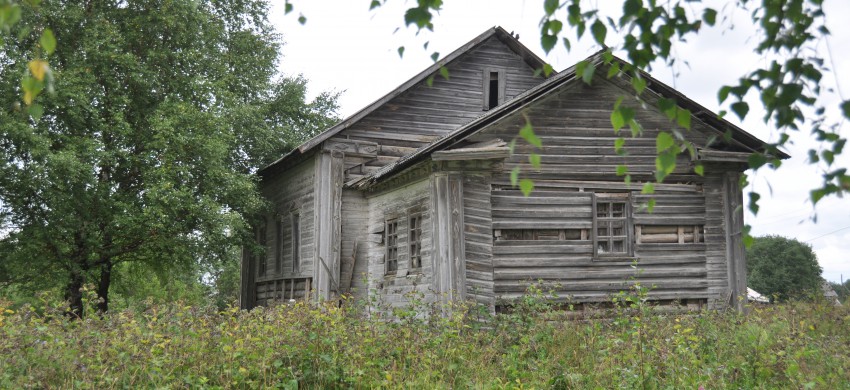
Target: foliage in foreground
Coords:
[[313, 346]]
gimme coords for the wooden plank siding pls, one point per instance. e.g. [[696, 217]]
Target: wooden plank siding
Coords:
[[290, 193], [578, 159], [478, 237], [424, 113], [394, 289], [579, 141], [355, 222]]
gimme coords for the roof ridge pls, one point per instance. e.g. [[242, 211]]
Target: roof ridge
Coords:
[[496, 31]]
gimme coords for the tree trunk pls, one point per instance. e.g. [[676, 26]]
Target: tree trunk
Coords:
[[103, 287], [74, 295]]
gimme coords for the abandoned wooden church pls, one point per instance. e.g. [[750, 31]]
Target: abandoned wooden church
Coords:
[[413, 192]]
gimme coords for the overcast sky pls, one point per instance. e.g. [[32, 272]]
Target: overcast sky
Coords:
[[345, 47]]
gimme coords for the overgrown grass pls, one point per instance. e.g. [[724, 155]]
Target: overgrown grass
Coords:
[[796, 345]]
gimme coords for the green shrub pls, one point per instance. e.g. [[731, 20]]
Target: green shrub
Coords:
[[360, 345]]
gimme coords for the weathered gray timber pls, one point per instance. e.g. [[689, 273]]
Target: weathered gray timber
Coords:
[[400, 207], [411, 198], [291, 196]]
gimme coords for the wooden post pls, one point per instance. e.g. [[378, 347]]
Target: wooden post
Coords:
[[448, 237], [328, 205], [734, 221]]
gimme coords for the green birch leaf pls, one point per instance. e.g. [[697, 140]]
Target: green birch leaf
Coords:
[[756, 160], [754, 202], [639, 84], [613, 70], [723, 93], [709, 15], [548, 42], [699, 170], [665, 164], [550, 6], [375, 4], [36, 111], [617, 120], [664, 141], [534, 159], [650, 205], [648, 189], [622, 170], [746, 237], [444, 72], [598, 30], [514, 176], [668, 106], [48, 41], [526, 186], [587, 73], [683, 118], [619, 143], [845, 109], [740, 109], [400, 51], [435, 56], [302, 19], [527, 133]]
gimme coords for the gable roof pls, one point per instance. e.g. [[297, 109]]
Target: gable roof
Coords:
[[740, 136], [509, 40]]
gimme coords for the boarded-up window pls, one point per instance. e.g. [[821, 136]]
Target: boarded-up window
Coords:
[[391, 232], [611, 220], [543, 234], [414, 237], [669, 234], [296, 243]]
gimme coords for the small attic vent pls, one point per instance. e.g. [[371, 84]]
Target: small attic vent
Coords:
[[494, 88]]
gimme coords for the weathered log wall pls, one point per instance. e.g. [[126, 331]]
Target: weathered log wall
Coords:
[[399, 287], [680, 248], [291, 194], [424, 113]]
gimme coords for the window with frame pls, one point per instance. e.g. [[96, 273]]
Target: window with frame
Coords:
[[494, 88], [278, 248], [414, 237], [296, 242], [262, 261], [611, 226], [391, 231]]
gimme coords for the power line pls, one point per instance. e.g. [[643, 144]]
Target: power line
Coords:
[[824, 235]]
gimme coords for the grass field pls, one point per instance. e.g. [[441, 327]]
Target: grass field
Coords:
[[793, 346]]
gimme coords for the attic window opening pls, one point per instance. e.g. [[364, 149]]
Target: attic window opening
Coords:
[[493, 96], [493, 88]]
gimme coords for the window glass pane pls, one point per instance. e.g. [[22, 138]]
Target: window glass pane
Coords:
[[602, 247], [617, 228], [619, 246], [602, 209], [618, 210]]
